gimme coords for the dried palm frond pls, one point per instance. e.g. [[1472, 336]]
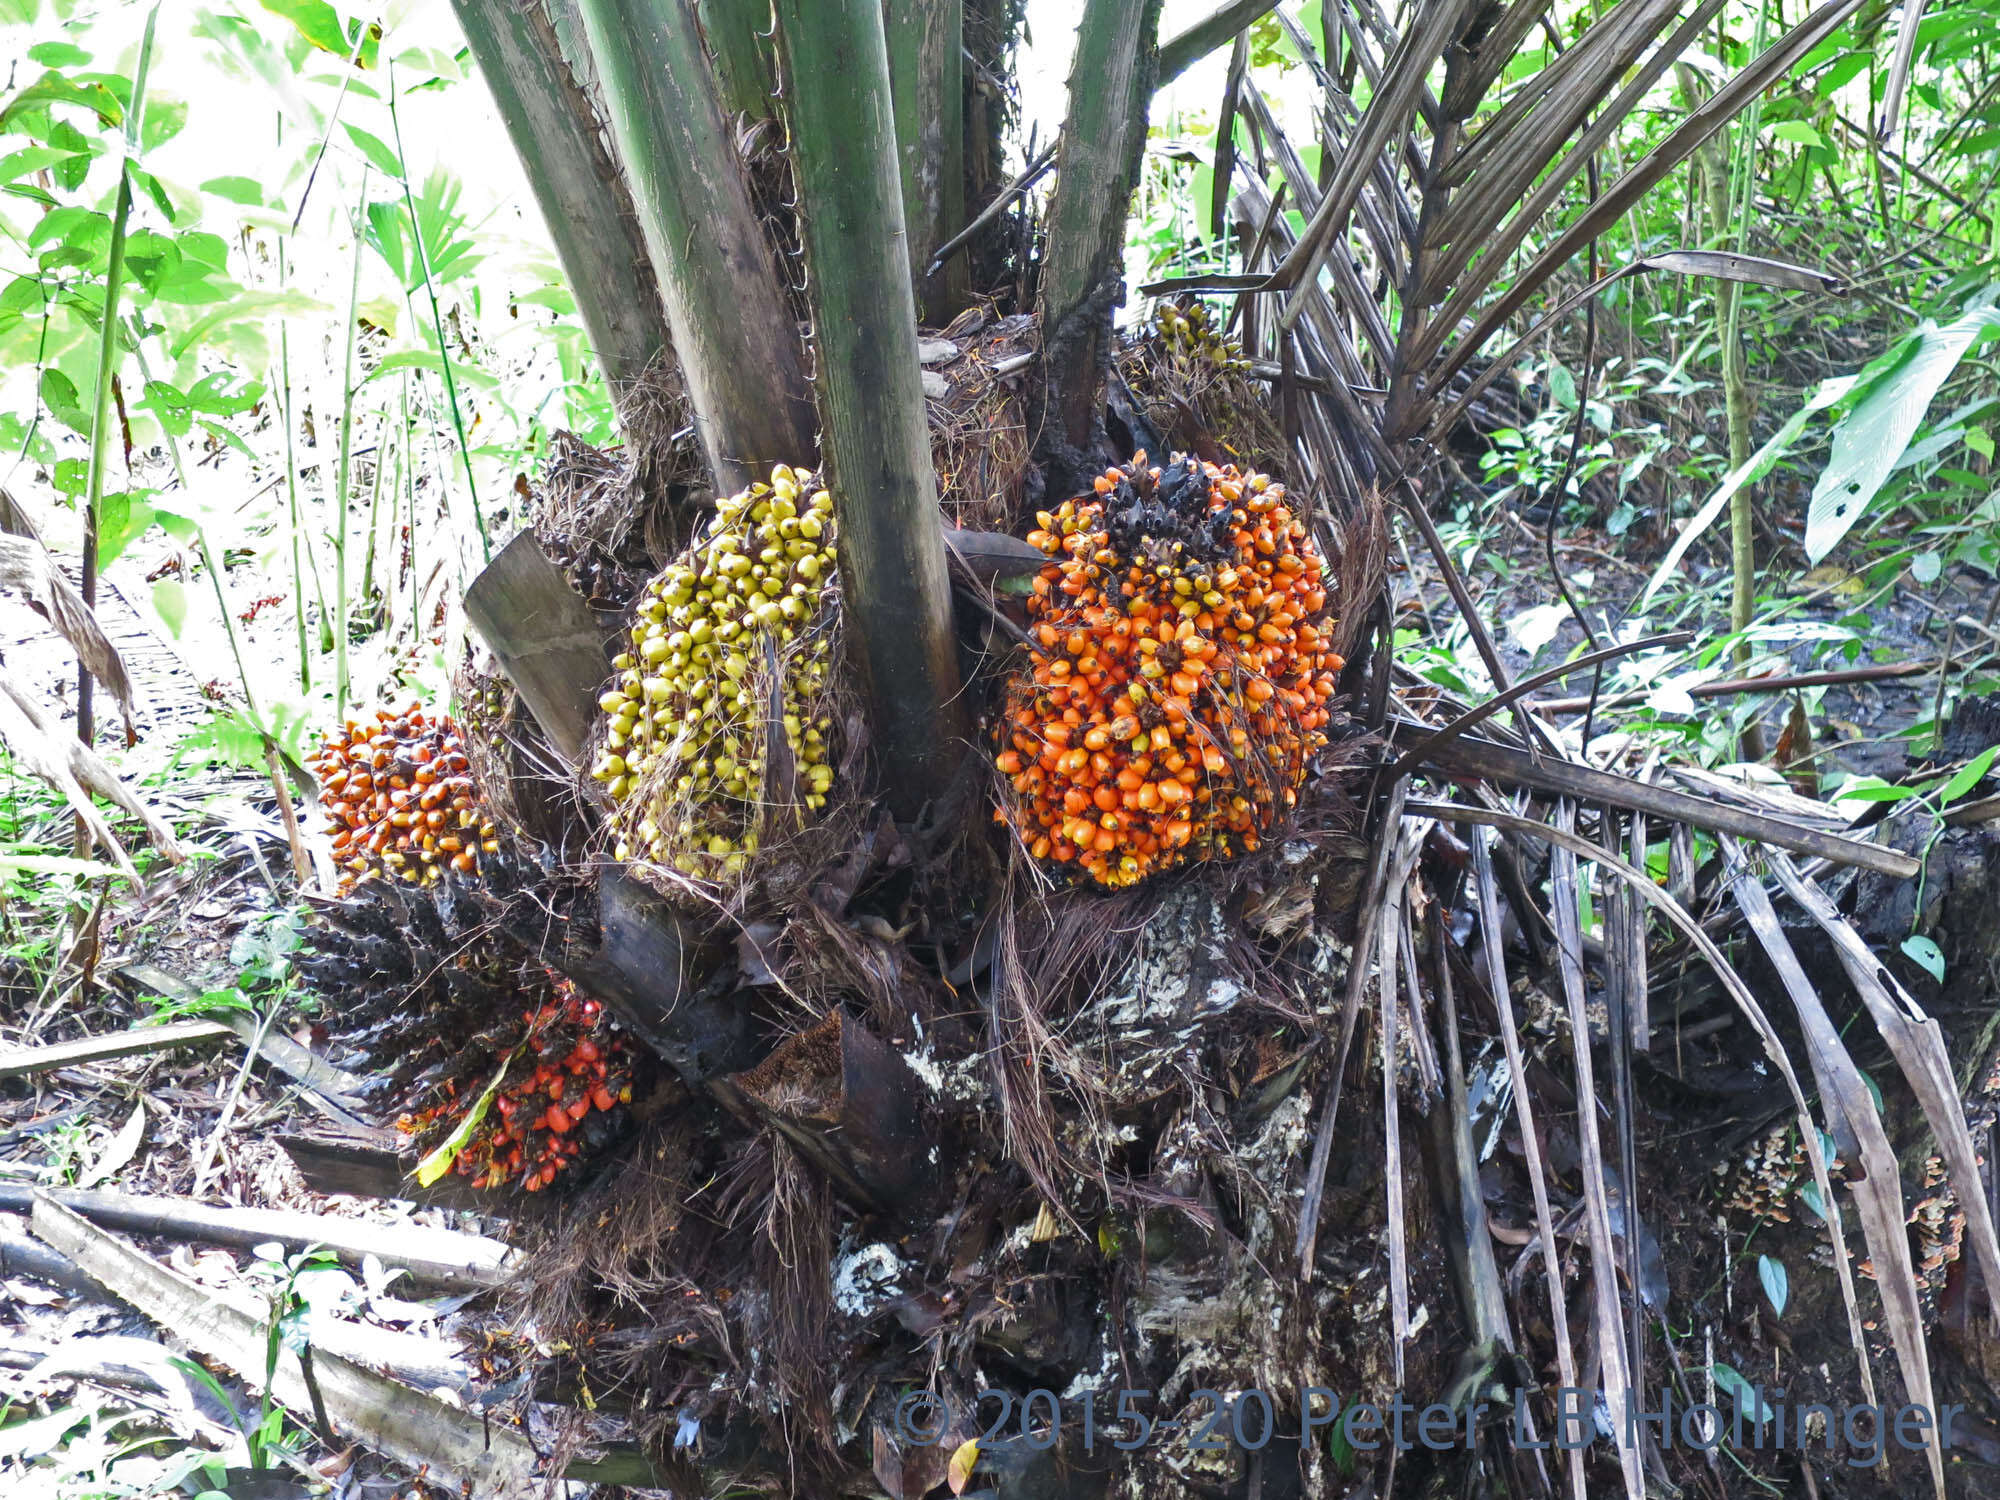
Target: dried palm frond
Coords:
[[77, 771], [1409, 262]]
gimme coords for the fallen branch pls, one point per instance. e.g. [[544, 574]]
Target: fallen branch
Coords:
[[1875, 672], [133, 1043], [440, 1258], [301, 1064], [454, 1449], [1488, 761]]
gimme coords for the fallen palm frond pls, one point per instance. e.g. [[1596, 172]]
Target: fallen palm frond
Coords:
[[452, 1446], [139, 1040], [1918, 1045], [1565, 840], [26, 566], [1614, 1360], [1852, 1115], [77, 771], [441, 1258]]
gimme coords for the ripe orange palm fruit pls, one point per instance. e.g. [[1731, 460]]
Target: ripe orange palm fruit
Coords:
[[1180, 672], [399, 799]]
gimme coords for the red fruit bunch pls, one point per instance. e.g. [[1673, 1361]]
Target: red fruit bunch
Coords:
[[571, 1063]]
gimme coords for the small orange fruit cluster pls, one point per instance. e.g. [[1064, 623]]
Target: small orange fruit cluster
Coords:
[[577, 1064], [399, 799], [1179, 675]]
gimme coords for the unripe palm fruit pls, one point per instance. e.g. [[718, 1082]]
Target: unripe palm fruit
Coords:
[[752, 596]]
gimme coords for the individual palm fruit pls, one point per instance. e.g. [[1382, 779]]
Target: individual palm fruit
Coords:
[[717, 722], [1179, 672], [399, 799], [1190, 332], [566, 1063]]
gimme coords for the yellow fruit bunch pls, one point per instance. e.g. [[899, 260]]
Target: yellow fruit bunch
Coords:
[[399, 799], [1191, 333], [1179, 675], [731, 652]]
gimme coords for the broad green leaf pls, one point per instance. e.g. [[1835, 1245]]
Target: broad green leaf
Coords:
[[59, 395], [1743, 1393], [1798, 132], [121, 520], [245, 190], [53, 88], [153, 259], [70, 225], [376, 150], [58, 55], [1874, 789], [1926, 954], [1969, 776], [1562, 386], [170, 600], [165, 118], [1926, 566], [318, 23], [1872, 436], [1777, 1284], [1761, 463], [18, 164], [170, 205]]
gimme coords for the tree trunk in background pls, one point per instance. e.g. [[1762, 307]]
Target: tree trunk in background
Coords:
[[738, 346], [990, 29], [1097, 171], [553, 125], [897, 596], [926, 40], [1713, 160]]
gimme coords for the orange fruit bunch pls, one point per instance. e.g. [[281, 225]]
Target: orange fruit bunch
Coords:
[[1179, 674], [577, 1065], [399, 799]]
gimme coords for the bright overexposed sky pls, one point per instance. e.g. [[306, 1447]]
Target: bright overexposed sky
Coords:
[[1043, 68]]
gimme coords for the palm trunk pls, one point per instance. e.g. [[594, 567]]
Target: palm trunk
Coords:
[[1104, 136], [577, 186], [735, 30], [738, 346], [896, 592], [926, 46]]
